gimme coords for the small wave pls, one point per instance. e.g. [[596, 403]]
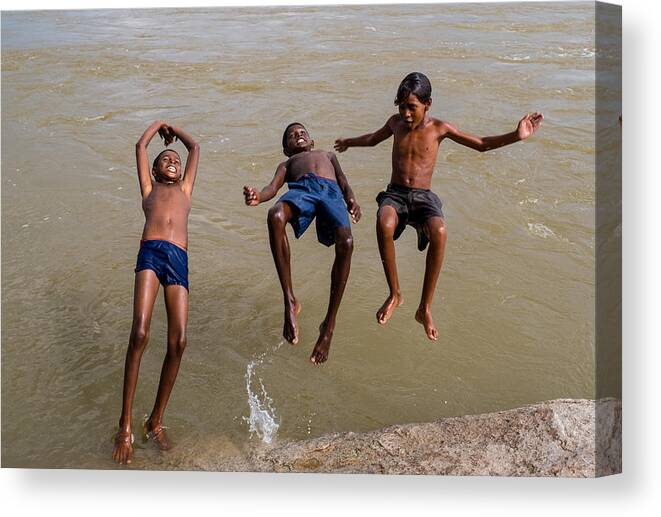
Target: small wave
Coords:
[[105, 116], [514, 58], [540, 230], [263, 419]]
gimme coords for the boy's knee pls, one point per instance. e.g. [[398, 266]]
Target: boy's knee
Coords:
[[386, 223], [344, 243], [277, 215], [178, 344], [438, 234], [139, 337]]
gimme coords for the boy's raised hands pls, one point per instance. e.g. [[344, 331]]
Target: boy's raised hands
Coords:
[[529, 124], [167, 134]]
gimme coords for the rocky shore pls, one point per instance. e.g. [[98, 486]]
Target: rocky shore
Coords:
[[569, 438]]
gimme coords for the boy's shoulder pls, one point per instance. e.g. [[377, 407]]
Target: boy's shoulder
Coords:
[[441, 124], [394, 119], [435, 122], [440, 127]]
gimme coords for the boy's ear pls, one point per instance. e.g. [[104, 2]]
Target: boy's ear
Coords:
[[428, 104], [312, 144]]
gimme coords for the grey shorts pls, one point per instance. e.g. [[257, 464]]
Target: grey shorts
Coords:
[[414, 206]]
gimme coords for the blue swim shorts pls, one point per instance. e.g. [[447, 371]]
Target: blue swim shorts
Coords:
[[167, 260], [313, 196]]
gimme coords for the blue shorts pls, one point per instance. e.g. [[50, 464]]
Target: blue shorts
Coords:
[[313, 196], [167, 260]]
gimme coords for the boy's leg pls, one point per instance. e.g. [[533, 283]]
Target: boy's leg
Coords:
[[435, 230], [386, 223], [144, 296], [339, 275], [279, 216], [176, 306]]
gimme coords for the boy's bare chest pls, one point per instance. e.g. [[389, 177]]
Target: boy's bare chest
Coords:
[[315, 162], [166, 198], [412, 144]]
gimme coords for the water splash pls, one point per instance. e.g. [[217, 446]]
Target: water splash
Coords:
[[540, 230], [263, 419]]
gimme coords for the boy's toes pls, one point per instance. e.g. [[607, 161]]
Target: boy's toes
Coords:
[[290, 334], [318, 357]]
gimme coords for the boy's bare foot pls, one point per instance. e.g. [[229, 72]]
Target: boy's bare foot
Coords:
[[424, 316], [290, 328], [320, 351], [157, 434], [383, 314], [122, 451]]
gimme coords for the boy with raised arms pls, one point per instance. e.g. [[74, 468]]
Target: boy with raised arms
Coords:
[[162, 260], [408, 198], [317, 188]]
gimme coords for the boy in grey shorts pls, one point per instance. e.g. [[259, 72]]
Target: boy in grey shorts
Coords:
[[408, 200]]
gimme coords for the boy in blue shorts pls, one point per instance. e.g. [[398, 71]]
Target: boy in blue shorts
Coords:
[[166, 189], [317, 188]]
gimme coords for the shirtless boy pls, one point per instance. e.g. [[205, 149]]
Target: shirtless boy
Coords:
[[163, 259], [407, 199], [317, 188]]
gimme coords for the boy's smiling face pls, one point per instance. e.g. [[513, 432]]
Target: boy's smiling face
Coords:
[[298, 140], [413, 111], [168, 167]]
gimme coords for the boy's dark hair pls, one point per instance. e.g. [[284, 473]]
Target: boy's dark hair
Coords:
[[284, 135], [417, 84], [155, 162]]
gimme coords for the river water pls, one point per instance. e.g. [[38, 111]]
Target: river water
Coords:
[[515, 301]]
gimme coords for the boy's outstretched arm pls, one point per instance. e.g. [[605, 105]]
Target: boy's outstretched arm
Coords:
[[368, 140], [526, 127], [193, 148], [144, 172], [352, 205], [254, 198]]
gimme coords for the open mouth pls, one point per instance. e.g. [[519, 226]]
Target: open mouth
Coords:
[[300, 141], [172, 168]]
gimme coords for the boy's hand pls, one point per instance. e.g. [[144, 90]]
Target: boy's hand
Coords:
[[167, 134], [354, 210], [341, 145], [251, 195], [529, 124]]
